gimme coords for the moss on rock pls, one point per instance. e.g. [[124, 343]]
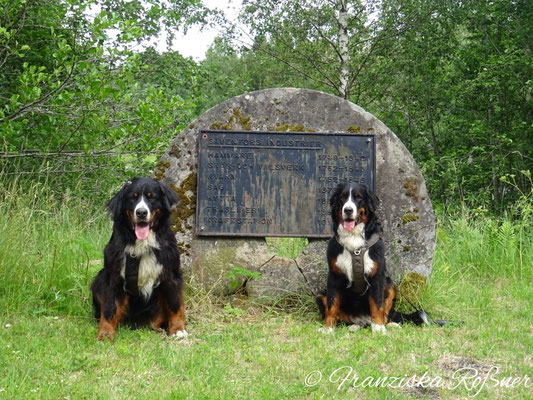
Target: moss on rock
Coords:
[[213, 269], [175, 151]]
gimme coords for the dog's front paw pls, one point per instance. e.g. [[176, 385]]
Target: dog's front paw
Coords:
[[377, 328], [180, 335], [103, 334], [105, 330], [354, 327], [326, 329]]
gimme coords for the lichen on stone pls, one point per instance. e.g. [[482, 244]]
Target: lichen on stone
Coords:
[[175, 150], [235, 119], [220, 126], [214, 269], [187, 203], [279, 127], [354, 129], [409, 218], [411, 188], [242, 120], [184, 248], [286, 127], [297, 128], [160, 169]]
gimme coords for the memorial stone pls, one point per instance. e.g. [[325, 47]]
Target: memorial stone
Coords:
[[405, 211]]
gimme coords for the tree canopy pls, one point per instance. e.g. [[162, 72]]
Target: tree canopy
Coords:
[[85, 100]]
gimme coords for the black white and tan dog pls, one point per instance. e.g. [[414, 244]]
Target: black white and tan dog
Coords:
[[359, 292], [141, 281]]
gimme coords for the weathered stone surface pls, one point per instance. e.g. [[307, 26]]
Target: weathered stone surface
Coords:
[[214, 261], [406, 212], [312, 264], [280, 277]]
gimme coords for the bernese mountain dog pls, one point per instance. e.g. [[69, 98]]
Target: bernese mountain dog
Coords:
[[141, 281], [359, 292]]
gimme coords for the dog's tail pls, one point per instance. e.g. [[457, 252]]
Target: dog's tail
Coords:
[[419, 317]]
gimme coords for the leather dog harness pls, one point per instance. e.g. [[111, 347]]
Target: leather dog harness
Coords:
[[359, 285], [131, 275]]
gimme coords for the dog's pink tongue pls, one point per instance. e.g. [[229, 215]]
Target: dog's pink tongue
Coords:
[[348, 225], [142, 231]]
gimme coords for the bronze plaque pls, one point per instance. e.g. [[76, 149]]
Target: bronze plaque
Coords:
[[276, 183]]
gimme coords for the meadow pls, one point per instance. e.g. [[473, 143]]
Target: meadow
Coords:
[[51, 247]]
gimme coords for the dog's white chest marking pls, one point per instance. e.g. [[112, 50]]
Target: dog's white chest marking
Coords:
[[149, 268], [352, 241], [344, 263]]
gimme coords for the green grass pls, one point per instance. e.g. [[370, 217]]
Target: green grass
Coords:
[[285, 246], [48, 245], [49, 252]]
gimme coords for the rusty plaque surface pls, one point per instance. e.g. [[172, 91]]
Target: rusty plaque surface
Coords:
[[276, 183]]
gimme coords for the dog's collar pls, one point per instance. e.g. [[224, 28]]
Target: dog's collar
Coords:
[[360, 284], [368, 244]]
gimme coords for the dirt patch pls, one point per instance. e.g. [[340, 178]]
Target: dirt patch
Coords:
[[420, 392], [449, 373], [450, 364]]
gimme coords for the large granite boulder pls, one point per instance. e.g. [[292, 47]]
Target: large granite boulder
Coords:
[[405, 212]]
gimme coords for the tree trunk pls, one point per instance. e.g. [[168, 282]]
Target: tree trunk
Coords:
[[344, 55]]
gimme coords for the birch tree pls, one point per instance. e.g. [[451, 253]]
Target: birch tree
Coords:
[[330, 42]]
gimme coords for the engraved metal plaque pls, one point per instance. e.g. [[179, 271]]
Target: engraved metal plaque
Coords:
[[276, 183]]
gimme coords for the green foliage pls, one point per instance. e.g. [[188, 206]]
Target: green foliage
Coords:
[[237, 274], [233, 312], [85, 103], [452, 80], [286, 247], [72, 101], [461, 98]]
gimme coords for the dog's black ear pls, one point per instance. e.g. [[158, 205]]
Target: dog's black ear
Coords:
[[170, 197], [116, 203], [373, 200], [336, 194]]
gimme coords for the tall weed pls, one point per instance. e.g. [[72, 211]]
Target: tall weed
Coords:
[[475, 251], [49, 248], [482, 245]]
